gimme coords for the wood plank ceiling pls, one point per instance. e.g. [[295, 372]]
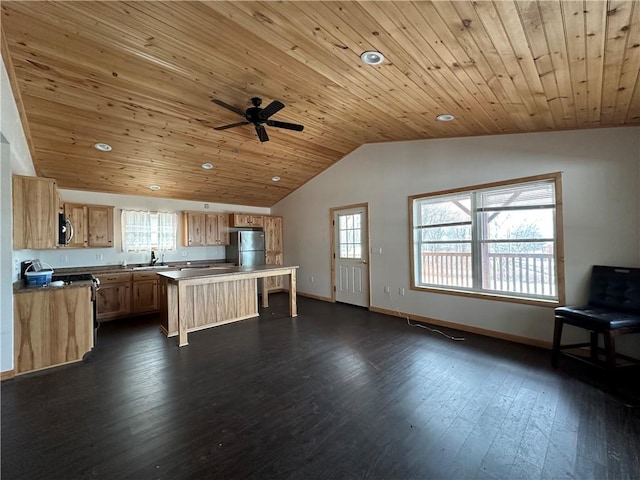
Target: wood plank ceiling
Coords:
[[140, 76]]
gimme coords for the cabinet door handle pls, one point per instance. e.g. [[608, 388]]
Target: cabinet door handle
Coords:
[[72, 231]]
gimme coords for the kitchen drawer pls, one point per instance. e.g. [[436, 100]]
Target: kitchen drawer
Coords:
[[144, 276], [119, 277]]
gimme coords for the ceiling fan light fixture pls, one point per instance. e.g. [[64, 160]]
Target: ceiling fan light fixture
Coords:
[[445, 117], [103, 147], [371, 57], [155, 188], [207, 166], [275, 178]]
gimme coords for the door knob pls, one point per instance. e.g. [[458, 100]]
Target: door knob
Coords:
[[364, 261]]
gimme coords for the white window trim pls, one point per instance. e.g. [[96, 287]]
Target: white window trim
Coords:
[[501, 296]]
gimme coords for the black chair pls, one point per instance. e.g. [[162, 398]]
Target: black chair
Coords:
[[613, 309]]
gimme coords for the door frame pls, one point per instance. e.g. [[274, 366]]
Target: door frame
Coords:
[[332, 255]]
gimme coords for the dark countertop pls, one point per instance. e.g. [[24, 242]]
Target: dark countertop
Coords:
[[97, 269], [218, 271], [20, 287]]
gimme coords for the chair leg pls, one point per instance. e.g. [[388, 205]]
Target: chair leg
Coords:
[[610, 352], [594, 345], [557, 335]]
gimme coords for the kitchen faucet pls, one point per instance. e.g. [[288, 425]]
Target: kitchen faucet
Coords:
[[154, 259]]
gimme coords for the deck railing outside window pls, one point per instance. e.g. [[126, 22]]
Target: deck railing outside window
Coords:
[[528, 273]]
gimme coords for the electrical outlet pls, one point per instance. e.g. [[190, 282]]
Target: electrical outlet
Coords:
[[206, 205], [183, 253], [311, 279], [387, 289], [401, 291]]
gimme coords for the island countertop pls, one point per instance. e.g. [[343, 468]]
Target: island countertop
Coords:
[[243, 271]]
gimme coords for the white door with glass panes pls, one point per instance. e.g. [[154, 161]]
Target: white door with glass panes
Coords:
[[351, 256]]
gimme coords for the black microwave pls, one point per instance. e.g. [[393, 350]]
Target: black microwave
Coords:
[[65, 230]]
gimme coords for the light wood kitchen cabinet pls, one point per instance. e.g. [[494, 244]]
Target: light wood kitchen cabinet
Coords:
[[273, 249], [114, 296], [245, 220], [193, 229], [92, 225], [35, 213], [205, 229], [273, 234], [274, 283], [145, 292], [100, 224], [77, 215], [51, 327], [216, 229]]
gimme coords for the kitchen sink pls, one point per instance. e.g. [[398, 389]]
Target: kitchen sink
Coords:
[[151, 267]]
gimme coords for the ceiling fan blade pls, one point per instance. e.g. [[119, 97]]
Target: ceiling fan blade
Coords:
[[262, 133], [227, 106], [270, 109], [224, 127], [288, 126]]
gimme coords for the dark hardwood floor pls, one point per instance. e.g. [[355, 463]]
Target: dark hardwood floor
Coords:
[[337, 393]]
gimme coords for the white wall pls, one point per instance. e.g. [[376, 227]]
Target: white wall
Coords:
[[14, 157], [77, 257], [11, 128], [601, 172], [6, 235]]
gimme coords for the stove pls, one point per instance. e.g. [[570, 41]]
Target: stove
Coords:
[[73, 277]]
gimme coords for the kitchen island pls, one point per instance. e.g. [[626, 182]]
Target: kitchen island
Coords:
[[196, 299]]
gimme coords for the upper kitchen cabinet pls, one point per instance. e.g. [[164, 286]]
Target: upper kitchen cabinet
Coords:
[[217, 229], [273, 234], [205, 229], [35, 213], [92, 225], [245, 220], [100, 221], [193, 229]]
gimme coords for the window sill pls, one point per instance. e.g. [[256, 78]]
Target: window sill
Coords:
[[490, 296]]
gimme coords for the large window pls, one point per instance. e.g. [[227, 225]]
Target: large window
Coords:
[[145, 231], [498, 239]]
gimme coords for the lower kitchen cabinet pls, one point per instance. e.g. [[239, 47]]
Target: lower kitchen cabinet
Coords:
[[51, 327], [145, 292], [114, 296], [123, 294]]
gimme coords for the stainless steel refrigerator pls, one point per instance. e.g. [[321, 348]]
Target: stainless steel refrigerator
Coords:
[[246, 247]]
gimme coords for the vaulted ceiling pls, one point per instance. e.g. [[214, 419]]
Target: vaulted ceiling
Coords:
[[140, 76]]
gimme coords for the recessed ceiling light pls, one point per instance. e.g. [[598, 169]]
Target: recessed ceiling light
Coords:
[[207, 166], [275, 179], [155, 188], [103, 147], [445, 117], [372, 57]]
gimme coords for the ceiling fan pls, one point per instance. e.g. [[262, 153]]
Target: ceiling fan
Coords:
[[259, 117]]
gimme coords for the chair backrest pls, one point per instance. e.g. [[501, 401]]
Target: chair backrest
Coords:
[[617, 288]]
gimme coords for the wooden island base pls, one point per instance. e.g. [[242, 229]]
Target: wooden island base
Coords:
[[197, 299]]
